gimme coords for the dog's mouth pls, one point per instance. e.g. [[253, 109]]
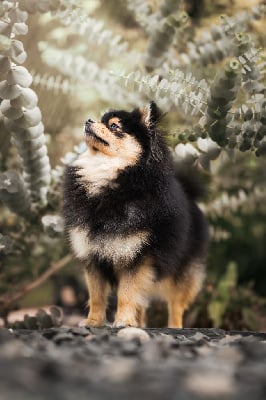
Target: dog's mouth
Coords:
[[90, 134]]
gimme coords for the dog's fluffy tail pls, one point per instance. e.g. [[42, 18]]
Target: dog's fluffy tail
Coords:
[[194, 181]]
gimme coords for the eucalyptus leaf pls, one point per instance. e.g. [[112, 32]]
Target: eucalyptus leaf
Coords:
[[30, 118], [5, 28], [4, 64], [19, 75], [20, 28], [17, 15], [20, 57], [5, 43], [43, 6], [9, 92], [27, 98], [210, 147], [10, 112], [17, 52], [28, 5], [27, 134], [14, 193]]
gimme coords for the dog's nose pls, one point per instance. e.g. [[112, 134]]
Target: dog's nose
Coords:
[[87, 125]]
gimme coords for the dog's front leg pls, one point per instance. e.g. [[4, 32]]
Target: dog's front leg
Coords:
[[127, 293], [98, 289], [133, 289]]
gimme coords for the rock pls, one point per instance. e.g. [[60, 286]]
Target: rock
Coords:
[[133, 333], [63, 337], [130, 348], [80, 331], [6, 335], [51, 332]]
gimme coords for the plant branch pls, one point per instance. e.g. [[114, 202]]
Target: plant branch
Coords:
[[10, 299]]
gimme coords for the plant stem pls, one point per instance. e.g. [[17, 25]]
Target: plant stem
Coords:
[[10, 299]]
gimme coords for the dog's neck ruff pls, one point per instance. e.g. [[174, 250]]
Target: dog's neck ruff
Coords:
[[97, 170]]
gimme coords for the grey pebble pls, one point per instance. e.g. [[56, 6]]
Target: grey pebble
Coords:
[[130, 348], [62, 337], [82, 331], [6, 335]]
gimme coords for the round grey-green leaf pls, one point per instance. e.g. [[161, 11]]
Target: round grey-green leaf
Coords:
[[9, 92], [20, 28], [4, 64], [27, 152], [12, 127], [28, 5], [17, 15], [5, 43], [20, 58], [29, 118], [28, 145], [3, 9], [5, 28], [43, 5], [17, 52], [38, 163], [29, 133], [35, 131], [10, 112], [27, 98], [20, 76]]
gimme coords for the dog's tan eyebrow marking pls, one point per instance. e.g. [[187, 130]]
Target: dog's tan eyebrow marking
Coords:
[[114, 120]]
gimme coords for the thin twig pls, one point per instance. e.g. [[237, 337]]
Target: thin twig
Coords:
[[7, 300]]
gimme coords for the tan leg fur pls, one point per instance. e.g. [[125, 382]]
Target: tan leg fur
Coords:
[[141, 316], [132, 294], [180, 294], [99, 290], [134, 290]]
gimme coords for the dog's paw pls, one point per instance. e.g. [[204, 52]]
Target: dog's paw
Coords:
[[120, 323], [91, 322]]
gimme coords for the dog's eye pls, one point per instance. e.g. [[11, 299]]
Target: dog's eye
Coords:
[[114, 126]]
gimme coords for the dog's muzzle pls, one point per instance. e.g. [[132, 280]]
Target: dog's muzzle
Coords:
[[87, 126]]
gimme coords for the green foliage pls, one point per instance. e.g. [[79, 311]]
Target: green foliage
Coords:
[[221, 299], [224, 91], [209, 80], [22, 116], [162, 37]]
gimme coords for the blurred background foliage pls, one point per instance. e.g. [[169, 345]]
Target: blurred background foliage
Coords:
[[203, 61]]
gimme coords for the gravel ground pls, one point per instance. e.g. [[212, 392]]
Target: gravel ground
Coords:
[[96, 364]]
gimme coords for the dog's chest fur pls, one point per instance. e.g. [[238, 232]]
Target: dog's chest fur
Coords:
[[115, 248], [95, 172]]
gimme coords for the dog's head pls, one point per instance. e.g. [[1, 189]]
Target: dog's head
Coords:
[[124, 135]]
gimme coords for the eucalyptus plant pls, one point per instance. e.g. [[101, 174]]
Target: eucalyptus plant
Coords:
[[209, 82]]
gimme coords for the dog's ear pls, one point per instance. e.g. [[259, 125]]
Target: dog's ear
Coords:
[[150, 115]]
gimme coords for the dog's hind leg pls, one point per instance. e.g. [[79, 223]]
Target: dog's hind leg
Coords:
[[181, 293], [99, 290], [141, 316], [133, 289]]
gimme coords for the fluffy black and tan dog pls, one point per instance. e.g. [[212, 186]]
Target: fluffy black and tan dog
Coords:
[[131, 221]]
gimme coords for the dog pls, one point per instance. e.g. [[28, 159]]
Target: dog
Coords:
[[132, 222]]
